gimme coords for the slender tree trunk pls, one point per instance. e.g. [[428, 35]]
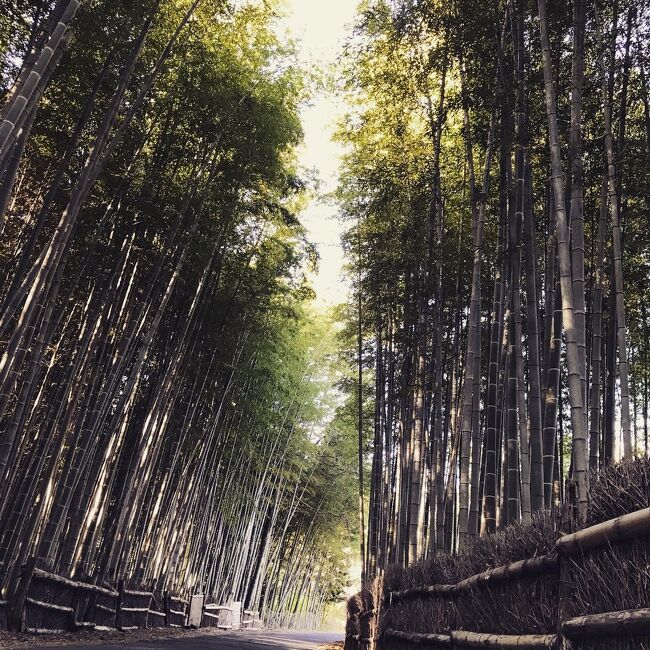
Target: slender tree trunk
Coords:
[[362, 515], [469, 424], [617, 254], [576, 205], [597, 335], [564, 262]]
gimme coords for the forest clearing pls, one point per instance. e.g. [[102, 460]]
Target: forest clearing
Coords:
[[302, 300]]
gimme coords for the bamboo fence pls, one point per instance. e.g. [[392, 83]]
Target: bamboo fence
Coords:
[[624, 624], [44, 602]]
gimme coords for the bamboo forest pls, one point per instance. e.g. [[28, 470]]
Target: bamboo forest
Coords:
[[314, 313]]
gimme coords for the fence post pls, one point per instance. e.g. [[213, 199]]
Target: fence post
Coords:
[[353, 628], [166, 606], [16, 610], [149, 603], [79, 603], [563, 600], [118, 605], [195, 610], [568, 521], [364, 632]]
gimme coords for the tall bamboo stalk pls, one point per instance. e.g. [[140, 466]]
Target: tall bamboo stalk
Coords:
[[564, 263]]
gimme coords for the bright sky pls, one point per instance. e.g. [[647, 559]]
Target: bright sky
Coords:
[[321, 28]]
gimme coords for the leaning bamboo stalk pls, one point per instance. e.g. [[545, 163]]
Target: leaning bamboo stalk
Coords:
[[16, 111], [21, 280], [11, 169], [136, 375], [609, 624], [630, 526], [51, 256]]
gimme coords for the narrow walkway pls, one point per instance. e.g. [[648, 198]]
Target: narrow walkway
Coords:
[[261, 640]]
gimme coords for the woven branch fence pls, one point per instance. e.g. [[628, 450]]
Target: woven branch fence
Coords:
[[44, 602], [609, 561]]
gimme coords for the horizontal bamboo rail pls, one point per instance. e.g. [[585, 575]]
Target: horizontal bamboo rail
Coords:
[[624, 528], [105, 608], [84, 625], [134, 609], [414, 592], [541, 565], [52, 606], [466, 639], [611, 624], [141, 594], [177, 612], [482, 640], [419, 637], [40, 574]]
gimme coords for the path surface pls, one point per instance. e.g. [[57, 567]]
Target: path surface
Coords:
[[262, 640]]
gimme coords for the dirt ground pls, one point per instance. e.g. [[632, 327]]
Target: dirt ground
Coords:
[[89, 638]]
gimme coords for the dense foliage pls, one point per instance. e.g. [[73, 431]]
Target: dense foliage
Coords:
[[159, 407], [503, 281]]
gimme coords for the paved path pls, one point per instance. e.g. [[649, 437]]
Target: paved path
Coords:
[[261, 640]]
